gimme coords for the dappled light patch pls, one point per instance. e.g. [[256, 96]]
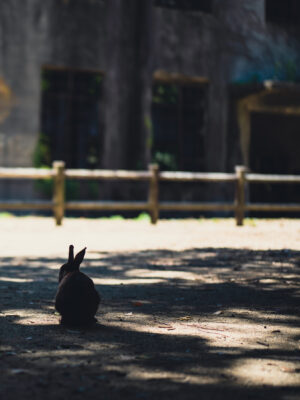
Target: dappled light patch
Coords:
[[163, 375], [170, 322], [12, 279], [31, 316], [163, 274], [267, 371], [126, 281]]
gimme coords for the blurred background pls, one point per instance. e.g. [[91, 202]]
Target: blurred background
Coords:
[[193, 85]]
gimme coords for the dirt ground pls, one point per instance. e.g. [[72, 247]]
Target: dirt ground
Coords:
[[190, 309]]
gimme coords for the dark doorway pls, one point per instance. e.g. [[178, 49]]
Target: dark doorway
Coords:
[[178, 113], [71, 116], [275, 149], [283, 12]]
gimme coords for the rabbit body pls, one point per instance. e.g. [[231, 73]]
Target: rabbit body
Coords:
[[76, 299]]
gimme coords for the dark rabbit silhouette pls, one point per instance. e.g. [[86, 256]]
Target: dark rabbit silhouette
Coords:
[[76, 299]]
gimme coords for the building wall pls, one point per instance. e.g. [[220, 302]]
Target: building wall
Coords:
[[33, 34], [234, 44]]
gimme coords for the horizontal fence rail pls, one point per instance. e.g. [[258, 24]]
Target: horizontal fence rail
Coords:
[[107, 174], [266, 178], [196, 177], [153, 176], [26, 173]]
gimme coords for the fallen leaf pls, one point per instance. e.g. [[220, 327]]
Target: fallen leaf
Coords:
[[186, 318], [287, 369], [263, 344], [137, 303]]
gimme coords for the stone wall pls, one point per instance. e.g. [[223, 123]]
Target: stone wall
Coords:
[[234, 44]]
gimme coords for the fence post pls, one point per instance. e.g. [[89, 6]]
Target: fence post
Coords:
[[153, 193], [240, 171], [59, 191]]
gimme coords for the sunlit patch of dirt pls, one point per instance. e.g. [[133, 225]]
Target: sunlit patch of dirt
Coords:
[[188, 309], [267, 371]]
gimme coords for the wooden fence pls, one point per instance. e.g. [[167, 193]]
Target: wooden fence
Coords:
[[153, 176]]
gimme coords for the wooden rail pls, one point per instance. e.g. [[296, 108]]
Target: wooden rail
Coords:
[[153, 206]]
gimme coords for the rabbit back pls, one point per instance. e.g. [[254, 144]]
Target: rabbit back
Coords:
[[77, 299]]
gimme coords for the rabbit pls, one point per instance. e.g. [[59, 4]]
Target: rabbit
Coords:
[[76, 299]]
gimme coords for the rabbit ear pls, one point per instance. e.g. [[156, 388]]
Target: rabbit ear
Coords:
[[71, 253], [79, 257]]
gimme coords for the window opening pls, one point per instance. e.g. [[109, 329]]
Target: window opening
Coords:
[[178, 119], [70, 117], [283, 11], [274, 138]]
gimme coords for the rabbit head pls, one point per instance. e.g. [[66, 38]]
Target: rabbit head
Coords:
[[73, 264]]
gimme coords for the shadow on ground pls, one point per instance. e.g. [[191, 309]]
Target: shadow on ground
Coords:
[[207, 323]]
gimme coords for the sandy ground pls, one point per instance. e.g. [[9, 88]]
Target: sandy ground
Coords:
[[40, 237], [190, 309]]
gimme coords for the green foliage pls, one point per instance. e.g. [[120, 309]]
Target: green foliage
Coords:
[[42, 159], [150, 141], [285, 71], [44, 186], [149, 128], [72, 190], [166, 161], [5, 214], [93, 190], [143, 217], [95, 84], [92, 156], [216, 220], [42, 152], [45, 84], [250, 222], [98, 79], [117, 218], [165, 94]]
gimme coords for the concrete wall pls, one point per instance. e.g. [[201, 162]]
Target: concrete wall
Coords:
[[34, 34], [234, 44]]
